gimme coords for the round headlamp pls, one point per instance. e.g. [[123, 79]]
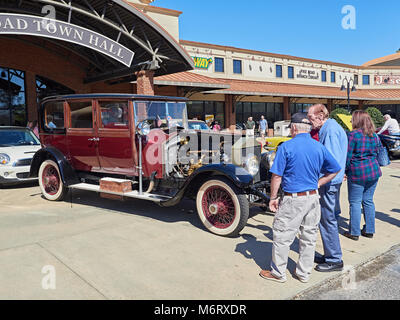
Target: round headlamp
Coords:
[[252, 165], [4, 158], [143, 128]]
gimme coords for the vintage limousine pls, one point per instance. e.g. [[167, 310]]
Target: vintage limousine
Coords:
[[141, 147]]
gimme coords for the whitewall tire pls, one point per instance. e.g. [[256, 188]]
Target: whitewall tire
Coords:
[[222, 207], [50, 181]]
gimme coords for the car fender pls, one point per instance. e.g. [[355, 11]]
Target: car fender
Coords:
[[68, 174], [238, 175]]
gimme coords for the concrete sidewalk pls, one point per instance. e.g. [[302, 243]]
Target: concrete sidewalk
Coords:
[[105, 249]]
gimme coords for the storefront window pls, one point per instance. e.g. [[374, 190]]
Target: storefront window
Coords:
[[392, 109], [209, 107], [220, 113], [247, 112], [201, 109], [258, 110], [46, 88], [12, 97], [271, 113], [270, 110], [299, 107]]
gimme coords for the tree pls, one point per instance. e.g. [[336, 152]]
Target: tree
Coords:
[[334, 115], [376, 116]]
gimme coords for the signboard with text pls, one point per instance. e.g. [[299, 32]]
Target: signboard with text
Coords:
[[209, 118], [307, 74], [19, 24], [202, 63], [389, 80]]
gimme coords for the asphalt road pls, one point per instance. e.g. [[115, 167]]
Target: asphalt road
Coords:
[[378, 279]]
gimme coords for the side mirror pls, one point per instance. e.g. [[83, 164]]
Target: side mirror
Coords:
[[143, 128]]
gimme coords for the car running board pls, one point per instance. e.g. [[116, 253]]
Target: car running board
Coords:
[[132, 194]]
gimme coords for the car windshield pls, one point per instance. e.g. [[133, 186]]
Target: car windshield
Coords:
[[17, 137], [162, 114], [198, 126]]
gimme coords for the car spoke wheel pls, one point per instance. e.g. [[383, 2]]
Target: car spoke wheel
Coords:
[[221, 207], [50, 181]]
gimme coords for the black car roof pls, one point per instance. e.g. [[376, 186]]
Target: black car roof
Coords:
[[113, 96]]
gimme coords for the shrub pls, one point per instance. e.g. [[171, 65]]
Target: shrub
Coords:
[[337, 111], [376, 115]]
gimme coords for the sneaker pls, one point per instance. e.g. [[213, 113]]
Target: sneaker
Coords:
[[301, 279], [329, 267], [266, 274]]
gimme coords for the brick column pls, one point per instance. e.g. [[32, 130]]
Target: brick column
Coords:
[[329, 105], [31, 97], [145, 82], [286, 108], [230, 114]]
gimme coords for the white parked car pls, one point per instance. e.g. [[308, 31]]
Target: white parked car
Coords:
[[17, 147]]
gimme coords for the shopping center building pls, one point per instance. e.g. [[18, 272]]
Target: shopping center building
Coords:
[[134, 47]]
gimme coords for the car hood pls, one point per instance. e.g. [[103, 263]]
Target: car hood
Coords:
[[20, 152], [271, 139]]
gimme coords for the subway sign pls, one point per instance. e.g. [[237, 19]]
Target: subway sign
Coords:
[[20, 24], [202, 63]]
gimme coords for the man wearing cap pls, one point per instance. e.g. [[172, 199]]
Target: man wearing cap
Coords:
[[334, 138], [297, 167]]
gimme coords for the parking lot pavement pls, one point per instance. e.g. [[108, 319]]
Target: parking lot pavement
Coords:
[[96, 248], [378, 279]]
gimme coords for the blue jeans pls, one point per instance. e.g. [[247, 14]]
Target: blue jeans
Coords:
[[338, 210], [362, 193], [329, 225]]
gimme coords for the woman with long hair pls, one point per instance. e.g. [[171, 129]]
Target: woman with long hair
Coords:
[[363, 173]]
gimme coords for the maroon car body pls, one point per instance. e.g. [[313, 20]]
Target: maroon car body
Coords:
[[145, 141]]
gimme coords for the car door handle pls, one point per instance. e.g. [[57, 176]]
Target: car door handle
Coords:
[[94, 139]]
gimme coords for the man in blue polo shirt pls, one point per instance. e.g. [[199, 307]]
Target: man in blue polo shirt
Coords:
[[334, 138], [297, 167]]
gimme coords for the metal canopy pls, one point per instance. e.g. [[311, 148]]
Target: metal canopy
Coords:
[[154, 49]]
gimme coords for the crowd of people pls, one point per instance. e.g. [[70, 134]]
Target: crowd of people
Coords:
[[250, 127], [310, 169]]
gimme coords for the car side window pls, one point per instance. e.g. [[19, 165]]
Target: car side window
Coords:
[[81, 114], [53, 116], [114, 114]]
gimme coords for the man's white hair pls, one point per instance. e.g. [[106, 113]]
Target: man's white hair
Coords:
[[303, 127]]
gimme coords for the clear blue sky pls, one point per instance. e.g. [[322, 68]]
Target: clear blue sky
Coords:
[[304, 28]]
